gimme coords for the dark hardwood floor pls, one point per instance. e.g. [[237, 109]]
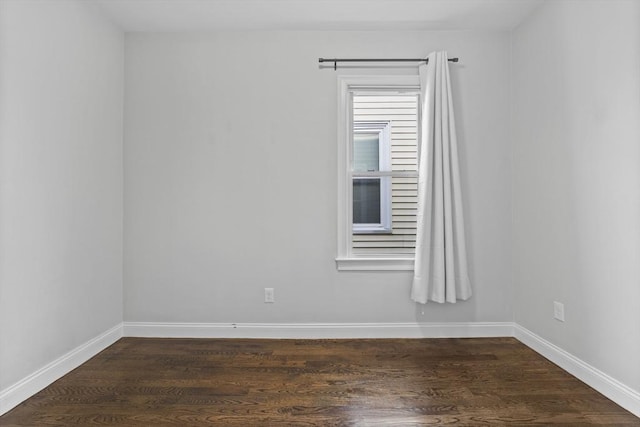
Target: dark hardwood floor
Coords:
[[240, 382]]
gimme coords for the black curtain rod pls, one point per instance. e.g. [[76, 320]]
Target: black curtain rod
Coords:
[[336, 60]]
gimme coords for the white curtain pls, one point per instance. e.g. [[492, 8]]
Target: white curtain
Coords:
[[440, 272]]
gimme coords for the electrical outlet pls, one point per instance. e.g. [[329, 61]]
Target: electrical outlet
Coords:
[[558, 311], [269, 295]]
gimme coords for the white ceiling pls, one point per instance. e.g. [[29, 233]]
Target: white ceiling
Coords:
[[205, 15]]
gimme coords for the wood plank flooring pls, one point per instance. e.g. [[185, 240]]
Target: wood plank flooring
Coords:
[[393, 382]]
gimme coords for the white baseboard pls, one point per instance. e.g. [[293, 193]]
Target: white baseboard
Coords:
[[30, 385], [318, 330], [610, 387]]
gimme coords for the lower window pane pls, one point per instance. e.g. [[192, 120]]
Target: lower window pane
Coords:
[[366, 201]]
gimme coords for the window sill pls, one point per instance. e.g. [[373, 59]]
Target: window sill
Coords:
[[374, 264]]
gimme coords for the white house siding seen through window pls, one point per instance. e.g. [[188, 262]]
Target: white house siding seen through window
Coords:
[[399, 113]]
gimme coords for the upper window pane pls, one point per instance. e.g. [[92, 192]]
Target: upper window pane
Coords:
[[366, 152]]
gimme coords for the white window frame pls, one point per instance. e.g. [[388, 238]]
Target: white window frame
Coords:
[[383, 129], [347, 85]]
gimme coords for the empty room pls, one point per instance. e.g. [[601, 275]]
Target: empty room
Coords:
[[319, 212]]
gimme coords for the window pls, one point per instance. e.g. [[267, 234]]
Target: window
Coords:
[[371, 191], [378, 163]]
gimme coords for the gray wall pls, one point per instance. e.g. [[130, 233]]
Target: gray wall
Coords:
[[576, 128], [61, 79], [230, 178]]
